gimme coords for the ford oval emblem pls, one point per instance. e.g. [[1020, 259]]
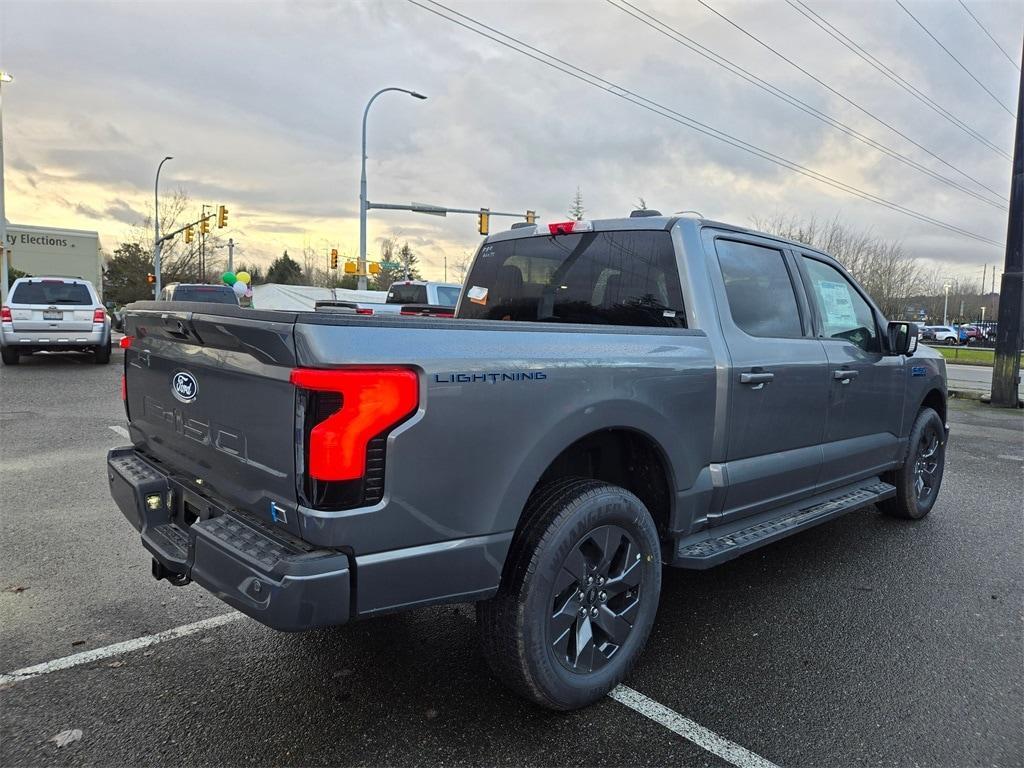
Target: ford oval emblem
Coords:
[[184, 386]]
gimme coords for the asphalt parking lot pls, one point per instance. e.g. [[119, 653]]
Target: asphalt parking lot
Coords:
[[866, 641]]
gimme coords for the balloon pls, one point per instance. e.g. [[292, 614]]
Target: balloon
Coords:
[[229, 278], [248, 293], [243, 277], [239, 288]]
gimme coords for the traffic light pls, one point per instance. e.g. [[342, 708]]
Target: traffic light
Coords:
[[351, 268], [531, 217], [151, 278], [188, 234], [374, 268], [484, 221], [204, 226], [334, 258], [222, 217]]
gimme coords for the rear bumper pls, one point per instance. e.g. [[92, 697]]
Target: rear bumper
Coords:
[[53, 339], [277, 580]]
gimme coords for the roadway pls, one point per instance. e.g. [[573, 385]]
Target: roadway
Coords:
[[865, 641]]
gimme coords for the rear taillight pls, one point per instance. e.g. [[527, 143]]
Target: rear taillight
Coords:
[[98, 316], [5, 315], [363, 311], [125, 342], [364, 404]]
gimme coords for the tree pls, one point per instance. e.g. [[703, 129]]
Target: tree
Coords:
[[124, 277], [881, 266], [576, 209], [460, 266], [255, 273], [285, 270], [395, 264], [641, 204]]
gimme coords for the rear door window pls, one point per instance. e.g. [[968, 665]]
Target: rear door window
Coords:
[[52, 292], [762, 300], [606, 278]]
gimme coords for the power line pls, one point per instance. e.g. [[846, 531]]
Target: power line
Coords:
[[913, 90], [678, 37], [995, 42], [954, 58], [659, 109]]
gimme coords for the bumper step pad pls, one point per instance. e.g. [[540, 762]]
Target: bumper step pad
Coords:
[[716, 547]]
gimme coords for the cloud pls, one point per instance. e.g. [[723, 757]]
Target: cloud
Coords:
[[267, 119]]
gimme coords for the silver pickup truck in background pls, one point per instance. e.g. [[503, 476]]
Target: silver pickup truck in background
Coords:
[[611, 397]]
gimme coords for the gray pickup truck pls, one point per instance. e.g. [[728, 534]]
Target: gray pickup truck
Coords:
[[611, 397]]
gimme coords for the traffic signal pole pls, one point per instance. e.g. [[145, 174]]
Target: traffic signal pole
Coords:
[[1006, 368]]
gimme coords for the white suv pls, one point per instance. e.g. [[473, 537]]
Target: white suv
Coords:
[[53, 313]]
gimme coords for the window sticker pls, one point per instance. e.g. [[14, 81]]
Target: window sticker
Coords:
[[837, 305], [477, 294]]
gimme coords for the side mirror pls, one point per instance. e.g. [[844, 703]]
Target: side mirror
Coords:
[[902, 337]]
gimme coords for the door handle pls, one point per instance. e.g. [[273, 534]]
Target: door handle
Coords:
[[756, 378], [845, 376]]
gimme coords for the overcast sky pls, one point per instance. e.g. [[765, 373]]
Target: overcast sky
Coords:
[[260, 104]]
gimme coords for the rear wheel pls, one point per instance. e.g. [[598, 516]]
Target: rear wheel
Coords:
[[10, 356], [917, 481], [578, 596], [101, 354]]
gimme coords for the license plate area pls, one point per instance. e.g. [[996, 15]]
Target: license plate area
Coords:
[[189, 507], [52, 314]]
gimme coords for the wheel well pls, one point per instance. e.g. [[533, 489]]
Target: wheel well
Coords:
[[936, 402], [621, 457]]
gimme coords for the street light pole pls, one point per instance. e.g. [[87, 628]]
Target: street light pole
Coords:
[[945, 304], [362, 184], [5, 77], [156, 227]]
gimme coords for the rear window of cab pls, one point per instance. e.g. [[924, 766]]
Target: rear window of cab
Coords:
[[628, 277]]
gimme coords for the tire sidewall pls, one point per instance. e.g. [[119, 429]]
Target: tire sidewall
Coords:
[[608, 506], [915, 510]]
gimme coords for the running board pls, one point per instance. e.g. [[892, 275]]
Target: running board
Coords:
[[717, 545]]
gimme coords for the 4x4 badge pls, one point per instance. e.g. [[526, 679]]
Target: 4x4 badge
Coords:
[[184, 386]]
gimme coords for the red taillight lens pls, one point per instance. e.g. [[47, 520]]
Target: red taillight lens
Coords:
[[568, 227], [5, 315], [98, 316], [126, 341], [362, 311], [372, 400]]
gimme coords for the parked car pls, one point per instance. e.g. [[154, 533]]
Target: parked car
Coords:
[[54, 314], [611, 397], [216, 294], [971, 334], [943, 334]]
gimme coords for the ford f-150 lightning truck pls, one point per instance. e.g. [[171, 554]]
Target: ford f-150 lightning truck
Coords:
[[612, 397]]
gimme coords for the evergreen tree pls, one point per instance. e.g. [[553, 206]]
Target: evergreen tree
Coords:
[[285, 271], [576, 209]]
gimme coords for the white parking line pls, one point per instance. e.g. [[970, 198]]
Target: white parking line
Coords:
[[87, 657], [1010, 458], [648, 707], [119, 430], [689, 730]]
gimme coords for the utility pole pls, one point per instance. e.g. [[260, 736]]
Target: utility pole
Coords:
[[945, 305], [1006, 370], [231, 254]]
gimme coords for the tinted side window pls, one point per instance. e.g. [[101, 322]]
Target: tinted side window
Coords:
[[606, 278], [842, 311], [757, 282]]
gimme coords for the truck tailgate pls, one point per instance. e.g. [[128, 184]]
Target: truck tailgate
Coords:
[[209, 398]]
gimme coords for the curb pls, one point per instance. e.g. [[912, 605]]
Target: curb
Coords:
[[975, 394]]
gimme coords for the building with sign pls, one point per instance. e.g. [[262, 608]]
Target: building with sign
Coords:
[[56, 252]]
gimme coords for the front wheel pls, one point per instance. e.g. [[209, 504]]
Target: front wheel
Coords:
[[917, 481], [578, 595]]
